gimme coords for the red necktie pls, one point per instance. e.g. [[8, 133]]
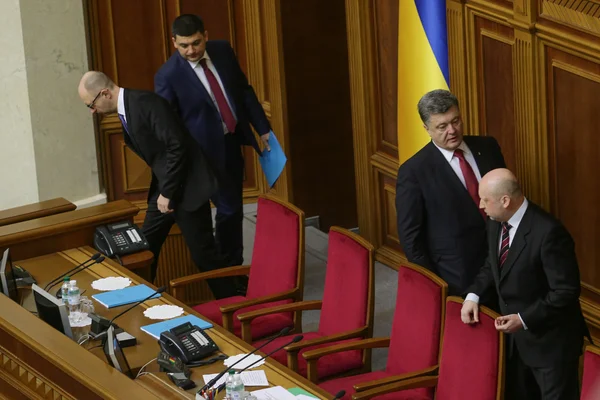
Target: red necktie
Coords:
[[470, 179], [224, 109], [505, 244]]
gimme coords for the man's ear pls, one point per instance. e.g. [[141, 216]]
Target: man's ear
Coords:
[[174, 42]]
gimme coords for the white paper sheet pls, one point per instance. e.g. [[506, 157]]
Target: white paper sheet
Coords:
[[111, 283], [250, 378], [164, 311], [248, 361], [274, 393]]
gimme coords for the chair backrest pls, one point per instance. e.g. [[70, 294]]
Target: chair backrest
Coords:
[[348, 297], [418, 320], [278, 256], [590, 387], [465, 346]]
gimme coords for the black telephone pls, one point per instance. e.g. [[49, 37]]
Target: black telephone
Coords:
[[187, 342], [119, 239]]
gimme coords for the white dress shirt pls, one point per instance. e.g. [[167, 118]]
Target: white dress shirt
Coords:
[[199, 71], [455, 162], [121, 103], [514, 222]]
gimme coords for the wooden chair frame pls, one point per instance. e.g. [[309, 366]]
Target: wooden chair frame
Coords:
[[363, 332], [423, 381], [313, 356], [296, 294]]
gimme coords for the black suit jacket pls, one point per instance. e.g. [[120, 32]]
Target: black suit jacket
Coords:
[[539, 281], [439, 225], [180, 171]]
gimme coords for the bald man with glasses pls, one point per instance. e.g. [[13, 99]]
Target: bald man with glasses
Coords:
[[182, 181]]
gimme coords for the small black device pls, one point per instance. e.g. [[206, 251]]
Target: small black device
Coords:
[[114, 353], [180, 380], [187, 342], [22, 277], [51, 310], [169, 363], [119, 239], [7, 277]]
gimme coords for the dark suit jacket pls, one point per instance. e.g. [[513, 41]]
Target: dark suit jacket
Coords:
[[439, 225], [539, 281], [180, 171], [177, 82]]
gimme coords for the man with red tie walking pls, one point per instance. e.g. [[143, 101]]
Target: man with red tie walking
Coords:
[[203, 81], [532, 265], [440, 225]]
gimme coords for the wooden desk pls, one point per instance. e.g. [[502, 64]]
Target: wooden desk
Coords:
[[35, 210], [68, 367]]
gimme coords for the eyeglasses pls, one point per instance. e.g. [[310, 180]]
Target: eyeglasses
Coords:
[[91, 105]]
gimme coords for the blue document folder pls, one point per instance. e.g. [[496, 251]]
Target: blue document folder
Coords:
[[121, 297], [273, 161], [156, 329]]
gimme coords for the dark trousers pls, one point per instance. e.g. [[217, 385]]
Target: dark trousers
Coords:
[[228, 200], [555, 382], [196, 228]]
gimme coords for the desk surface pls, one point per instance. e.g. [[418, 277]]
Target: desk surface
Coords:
[[47, 267]]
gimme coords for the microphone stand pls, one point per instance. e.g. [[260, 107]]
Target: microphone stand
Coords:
[[296, 339], [216, 378], [53, 282]]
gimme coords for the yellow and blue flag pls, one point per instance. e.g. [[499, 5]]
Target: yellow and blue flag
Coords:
[[422, 67]]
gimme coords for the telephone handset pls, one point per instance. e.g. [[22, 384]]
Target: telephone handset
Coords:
[[119, 239], [187, 342]]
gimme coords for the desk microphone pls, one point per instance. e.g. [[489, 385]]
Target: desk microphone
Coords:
[[210, 383], [54, 281], [296, 339], [104, 326], [339, 395], [59, 291]]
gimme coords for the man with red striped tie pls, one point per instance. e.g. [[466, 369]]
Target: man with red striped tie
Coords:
[[532, 265]]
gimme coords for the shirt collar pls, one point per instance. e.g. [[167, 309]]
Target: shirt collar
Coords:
[[517, 217], [448, 154], [121, 102], [194, 64]]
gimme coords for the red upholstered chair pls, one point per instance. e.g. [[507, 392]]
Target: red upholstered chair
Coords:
[[463, 347], [590, 387], [346, 310], [276, 274], [414, 343]]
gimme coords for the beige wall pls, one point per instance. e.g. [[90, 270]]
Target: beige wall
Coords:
[[46, 130]]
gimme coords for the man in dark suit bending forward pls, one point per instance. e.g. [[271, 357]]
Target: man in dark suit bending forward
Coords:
[[182, 181]]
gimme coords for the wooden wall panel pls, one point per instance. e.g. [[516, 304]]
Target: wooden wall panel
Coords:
[[494, 66], [386, 13], [573, 86], [314, 40]]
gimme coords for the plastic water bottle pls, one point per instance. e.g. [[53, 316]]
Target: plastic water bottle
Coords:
[[64, 291], [234, 387], [74, 300]]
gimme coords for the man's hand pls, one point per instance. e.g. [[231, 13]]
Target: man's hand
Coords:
[[508, 323], [163, 204], [469, 314], [265, 140]]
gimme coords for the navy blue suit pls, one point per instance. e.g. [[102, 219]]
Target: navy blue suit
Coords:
[[177, 82]]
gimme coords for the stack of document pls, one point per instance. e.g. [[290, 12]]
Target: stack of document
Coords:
[[121, 297]]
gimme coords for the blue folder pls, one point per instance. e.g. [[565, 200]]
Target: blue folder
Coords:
[[120, 297], [273, 161], [156, 329]]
